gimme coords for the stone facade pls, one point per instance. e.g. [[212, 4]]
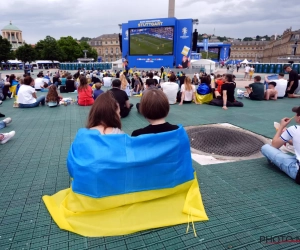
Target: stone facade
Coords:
[[250, 50], [107, 47], [13, 34], [283, 50]]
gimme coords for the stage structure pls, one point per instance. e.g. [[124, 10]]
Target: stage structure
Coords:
[[218, 52], [154, 43]]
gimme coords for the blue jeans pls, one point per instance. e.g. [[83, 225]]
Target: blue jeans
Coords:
[[2, 124], [285, 162], [39, 100]]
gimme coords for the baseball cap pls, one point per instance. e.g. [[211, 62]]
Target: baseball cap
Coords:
[[296, 110]]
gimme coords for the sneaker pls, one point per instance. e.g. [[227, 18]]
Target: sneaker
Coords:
[[1, 102], [7, 120], [7, 137], [1, 115]]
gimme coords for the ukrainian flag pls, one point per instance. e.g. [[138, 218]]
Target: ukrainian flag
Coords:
[[122, 184]]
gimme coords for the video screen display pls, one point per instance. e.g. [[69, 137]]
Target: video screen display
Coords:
[[213, 53], [151, 41]]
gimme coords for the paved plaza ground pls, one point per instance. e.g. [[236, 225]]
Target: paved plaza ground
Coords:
[[244, 200]]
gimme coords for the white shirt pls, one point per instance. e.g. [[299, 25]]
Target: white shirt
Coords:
[[188, 95], [38, 82], [107, 81], [293, 133], [281, 85], [170, 89], [247, 69], [25, 94], [157, 78]]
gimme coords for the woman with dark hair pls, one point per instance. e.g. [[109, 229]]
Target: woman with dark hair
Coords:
[[85, 93], [70, 84], [13, 83], [154, 107], [27, 95], [104, 115], [227, 95]]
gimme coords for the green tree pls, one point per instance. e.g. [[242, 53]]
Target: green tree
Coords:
[[48, 49], [85, 39], [26, 53], [92, 53], [71, 50], [5, 50], [248, 39]]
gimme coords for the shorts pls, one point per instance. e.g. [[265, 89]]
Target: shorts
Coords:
[[253, 97], [293, 88]]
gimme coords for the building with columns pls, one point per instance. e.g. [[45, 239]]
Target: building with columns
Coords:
[[13, 34], [107, 46]]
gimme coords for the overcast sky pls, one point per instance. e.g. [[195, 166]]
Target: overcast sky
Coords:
[[92, 18]]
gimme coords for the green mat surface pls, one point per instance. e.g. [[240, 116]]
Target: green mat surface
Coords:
[[244, 200]]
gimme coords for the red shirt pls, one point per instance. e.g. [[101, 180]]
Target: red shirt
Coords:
[[85, 96], [219, 82]]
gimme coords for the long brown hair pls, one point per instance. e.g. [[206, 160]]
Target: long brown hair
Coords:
[[188, 83], [83, 83], [104, 112], [52, 95]]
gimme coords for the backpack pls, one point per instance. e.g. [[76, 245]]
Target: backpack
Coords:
[[203, 89]]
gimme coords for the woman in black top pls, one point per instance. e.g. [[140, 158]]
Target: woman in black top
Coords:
[[154, 107], [227, 95], [70, 84]]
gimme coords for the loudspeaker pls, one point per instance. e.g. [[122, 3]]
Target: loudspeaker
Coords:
[[219, 54], [120, 41], [229, 52], [195, 39]]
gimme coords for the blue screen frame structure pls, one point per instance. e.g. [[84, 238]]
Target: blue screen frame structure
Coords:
[[151, 41], [177, 56]]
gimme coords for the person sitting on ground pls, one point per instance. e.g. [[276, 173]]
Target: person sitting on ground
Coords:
[[256, 90], [39, 82], [95, 78], [219, 82], [63, 79], [70, 84], [5, 137], [271, 92], [204, 90], [156, 77], [188, 91], [148, 86], [137, 85], [53, 98], [125, 84], [56, 79], [227, 93], [281, 84], [170, 89], [121, 97], [287, 163], [155, 108], [27, 95], [13, 84], [98, 91], [151, 81], [45, 88], [85, 93], [293, 82], [195, 80], [107, 80]]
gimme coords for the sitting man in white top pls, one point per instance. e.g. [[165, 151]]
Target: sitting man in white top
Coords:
[[170, 89], [281, 84], [107, 81], [289, 164]]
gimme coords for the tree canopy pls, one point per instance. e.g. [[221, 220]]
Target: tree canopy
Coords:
[[26, 53], [5, 50]]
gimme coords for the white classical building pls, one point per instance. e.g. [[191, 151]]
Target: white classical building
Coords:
[[13, 34]]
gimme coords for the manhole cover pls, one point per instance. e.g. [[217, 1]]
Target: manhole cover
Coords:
[[223, 141]]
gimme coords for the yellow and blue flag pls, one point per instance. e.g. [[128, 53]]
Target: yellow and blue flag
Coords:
[[122, 184]]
